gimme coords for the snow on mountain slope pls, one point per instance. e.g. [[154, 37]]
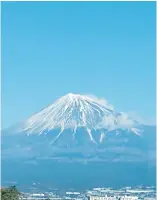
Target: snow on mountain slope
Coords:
[[80, 127], [74, 111]]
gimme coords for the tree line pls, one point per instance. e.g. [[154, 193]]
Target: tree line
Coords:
[[10, 193]]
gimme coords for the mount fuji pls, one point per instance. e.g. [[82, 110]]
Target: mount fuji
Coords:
[[75, 111], [80, 129]]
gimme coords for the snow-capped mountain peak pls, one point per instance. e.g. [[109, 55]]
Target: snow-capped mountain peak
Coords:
[[73, 111]]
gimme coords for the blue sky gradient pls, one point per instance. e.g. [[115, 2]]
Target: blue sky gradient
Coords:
[[102, 48]]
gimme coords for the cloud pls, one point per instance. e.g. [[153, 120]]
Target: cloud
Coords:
[[121, 121], [101, 101], [142, 120], [124, 120]]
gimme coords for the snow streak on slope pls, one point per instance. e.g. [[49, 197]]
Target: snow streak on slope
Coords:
[[74, 111]]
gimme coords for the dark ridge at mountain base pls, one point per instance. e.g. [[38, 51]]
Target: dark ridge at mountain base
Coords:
[[47, 174]]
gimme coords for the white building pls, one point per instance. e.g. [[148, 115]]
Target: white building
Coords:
[[113, 197], [102, 198], [139, 191], [128, 198]]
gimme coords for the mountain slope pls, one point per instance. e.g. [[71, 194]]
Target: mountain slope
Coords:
[[81, 125], [76, 111]]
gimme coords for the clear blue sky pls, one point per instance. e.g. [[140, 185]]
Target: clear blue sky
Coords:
[[101, 48]]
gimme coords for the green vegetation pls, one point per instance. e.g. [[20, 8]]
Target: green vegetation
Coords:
[[10, 193]]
